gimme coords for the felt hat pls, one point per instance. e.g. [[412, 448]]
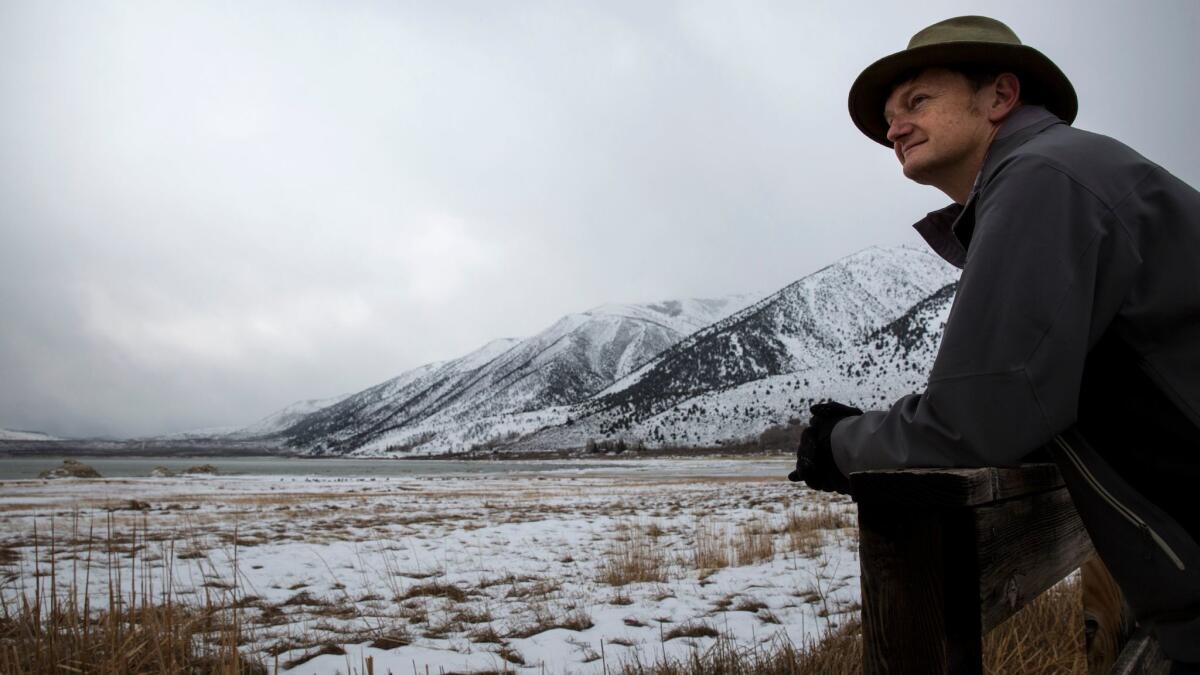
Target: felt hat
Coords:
[[961, 41]]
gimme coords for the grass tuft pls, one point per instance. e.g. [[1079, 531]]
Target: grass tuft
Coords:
[[754, 542], [321, 650], [805, 529], [438, 590], [575, 619], [633, 556], [710, 549], [391, 641], [691, 629]]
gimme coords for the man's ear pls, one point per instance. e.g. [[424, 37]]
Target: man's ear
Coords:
[[1006, 96]]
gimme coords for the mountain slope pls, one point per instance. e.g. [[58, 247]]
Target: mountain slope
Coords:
[[802, 327], [285, 418], [864, 330], [507, 386]]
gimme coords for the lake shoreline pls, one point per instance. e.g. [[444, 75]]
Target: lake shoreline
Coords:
[[200, 450]]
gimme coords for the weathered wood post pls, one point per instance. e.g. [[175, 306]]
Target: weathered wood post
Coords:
[[947, 554]]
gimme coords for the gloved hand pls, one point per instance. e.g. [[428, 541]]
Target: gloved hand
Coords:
[[814, 457]]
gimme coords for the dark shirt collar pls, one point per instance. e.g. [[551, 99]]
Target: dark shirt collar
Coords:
[[948, 230], [937, 229], [1023, 118]]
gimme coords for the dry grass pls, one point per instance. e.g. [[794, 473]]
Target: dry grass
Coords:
[[536, 589], [634, 555], [1044, 638], [545, 619], [838, 653], [749, 605], [52, 627], [436, 589], [710, 547], [510, 655], [805, 529], [319, 650], [170, 638], [822, 518], [576, 619], [470, 615], [394, 638], [9, 555], [754, 542], [1107, 619], [691, 629]]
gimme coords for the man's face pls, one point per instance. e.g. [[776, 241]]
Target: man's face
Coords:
[[937, 127]]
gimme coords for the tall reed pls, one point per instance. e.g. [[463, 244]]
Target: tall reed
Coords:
[[144, 627]]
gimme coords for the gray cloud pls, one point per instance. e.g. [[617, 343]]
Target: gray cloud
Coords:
[[210, 210]]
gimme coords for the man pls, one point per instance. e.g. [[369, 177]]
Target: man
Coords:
[[1076, 325]]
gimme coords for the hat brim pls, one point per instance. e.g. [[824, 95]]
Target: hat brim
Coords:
[[1040, 79]]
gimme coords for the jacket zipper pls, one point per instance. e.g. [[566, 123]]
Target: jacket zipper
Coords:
[[1117, 505]]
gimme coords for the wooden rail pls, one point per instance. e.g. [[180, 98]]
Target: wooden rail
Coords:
[[947, 554]]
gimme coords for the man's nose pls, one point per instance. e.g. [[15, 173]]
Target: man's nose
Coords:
[[898, 128]]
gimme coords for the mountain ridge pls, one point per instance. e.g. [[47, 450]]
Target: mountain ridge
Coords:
[[863, 329], [571, 359]]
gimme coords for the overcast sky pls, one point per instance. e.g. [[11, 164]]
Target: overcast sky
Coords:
[[209, 210]]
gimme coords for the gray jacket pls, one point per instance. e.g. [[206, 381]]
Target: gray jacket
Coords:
[[1069, 240]]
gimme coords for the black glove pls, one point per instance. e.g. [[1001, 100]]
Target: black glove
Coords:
[[814, 457]]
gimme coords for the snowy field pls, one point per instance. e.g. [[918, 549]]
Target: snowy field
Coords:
[[575, 571]]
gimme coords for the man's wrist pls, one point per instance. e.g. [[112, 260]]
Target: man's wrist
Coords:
[[839, 457]]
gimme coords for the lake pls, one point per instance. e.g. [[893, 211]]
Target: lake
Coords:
[[18, 468], [15, 468]]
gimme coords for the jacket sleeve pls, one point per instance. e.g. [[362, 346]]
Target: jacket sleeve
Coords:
[[1046, 272]]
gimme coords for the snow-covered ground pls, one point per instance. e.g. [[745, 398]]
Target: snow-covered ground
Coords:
[[559, 572]]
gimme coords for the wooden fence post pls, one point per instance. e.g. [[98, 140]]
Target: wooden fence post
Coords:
[[947, 554]]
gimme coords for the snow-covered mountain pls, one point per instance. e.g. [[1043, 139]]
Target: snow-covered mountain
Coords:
[[863, 330], [14, 435], [266, 428], [281, 420], [509, 386]]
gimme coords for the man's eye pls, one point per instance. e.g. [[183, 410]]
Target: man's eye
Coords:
[[917, 100]]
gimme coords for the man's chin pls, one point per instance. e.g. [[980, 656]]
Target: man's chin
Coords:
[[915, 172]]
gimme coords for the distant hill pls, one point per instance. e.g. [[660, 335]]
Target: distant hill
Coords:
[[14, 435]]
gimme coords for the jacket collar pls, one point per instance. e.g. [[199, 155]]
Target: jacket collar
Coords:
[[948, 230]]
